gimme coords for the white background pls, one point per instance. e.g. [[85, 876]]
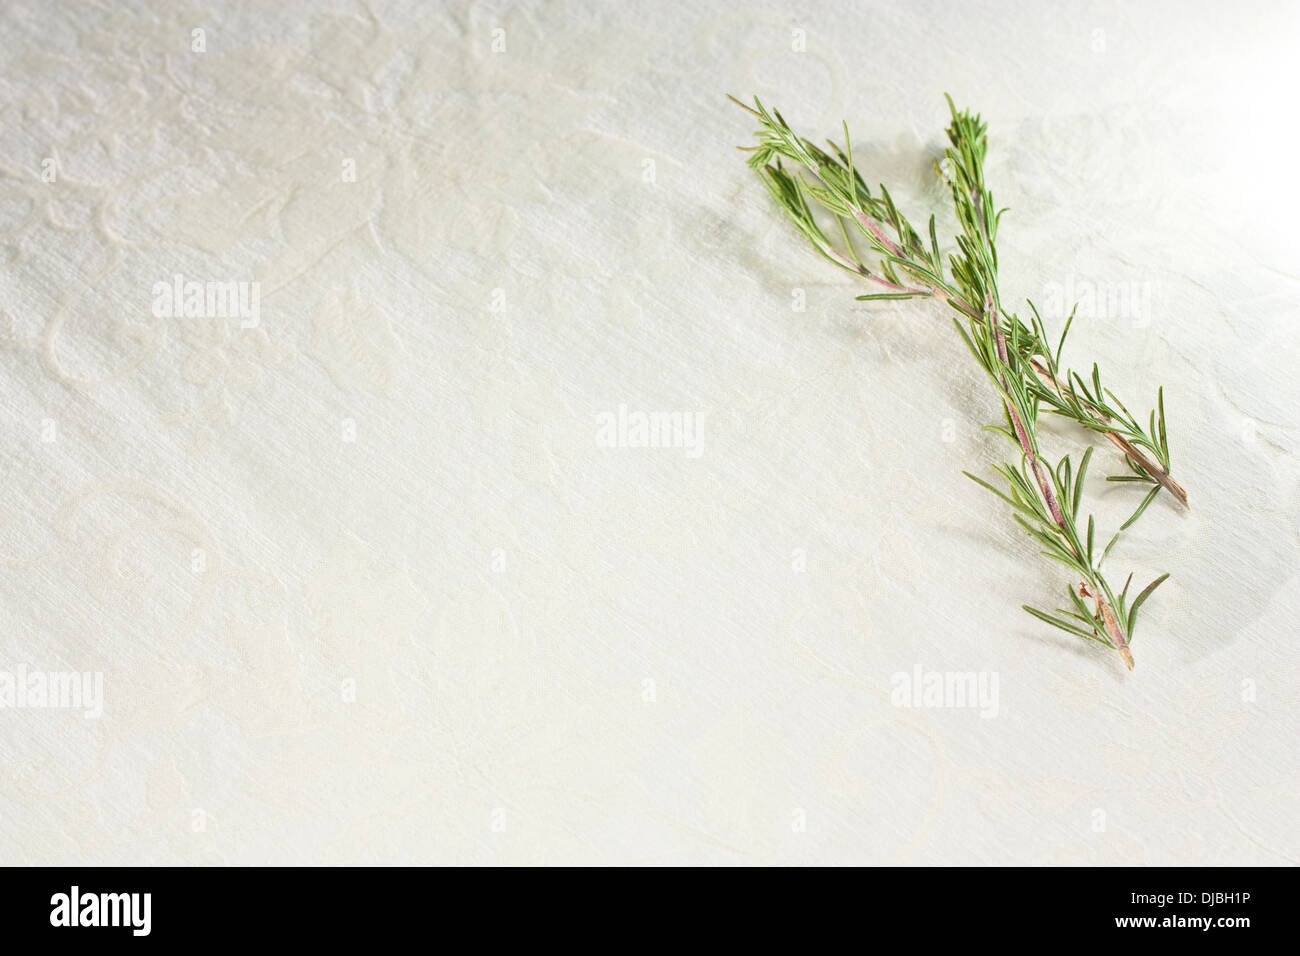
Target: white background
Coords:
[[564, 653]]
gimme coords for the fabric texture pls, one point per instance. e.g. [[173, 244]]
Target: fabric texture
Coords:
[[429, 432]]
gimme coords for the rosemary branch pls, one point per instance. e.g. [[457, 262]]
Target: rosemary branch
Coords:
[[1065, 394], [1025, 371]]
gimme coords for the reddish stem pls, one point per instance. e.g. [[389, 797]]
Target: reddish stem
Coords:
[[1113, 630]]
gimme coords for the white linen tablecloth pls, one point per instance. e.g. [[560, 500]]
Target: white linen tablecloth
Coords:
[[367, 569]]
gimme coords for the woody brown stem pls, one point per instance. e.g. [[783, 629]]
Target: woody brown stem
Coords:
[[1152, 469], [1113, 631], [1137, 455], [1022, 437]]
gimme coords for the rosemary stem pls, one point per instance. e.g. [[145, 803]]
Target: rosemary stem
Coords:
[[1137, 455], [1112, 626], [1022, 436], [870, 225], [1113, 629]]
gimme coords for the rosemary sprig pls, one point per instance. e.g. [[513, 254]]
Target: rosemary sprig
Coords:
[[1023, 368], [839, 188]]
